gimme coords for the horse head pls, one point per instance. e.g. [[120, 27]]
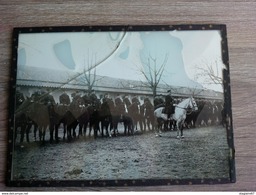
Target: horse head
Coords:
[[192, 104]]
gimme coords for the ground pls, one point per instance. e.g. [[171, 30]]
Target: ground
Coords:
[[203, 153]]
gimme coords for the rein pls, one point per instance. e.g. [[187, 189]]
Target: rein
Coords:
[[186, 109]]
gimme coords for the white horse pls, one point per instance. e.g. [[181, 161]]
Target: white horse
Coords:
[[179, 115]]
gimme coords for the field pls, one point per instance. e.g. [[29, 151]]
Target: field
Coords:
[[202, 154]]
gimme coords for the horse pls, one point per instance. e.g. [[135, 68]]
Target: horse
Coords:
[[133, 116], [105, 116], [179, 115], [94, 118], [147, 115], [38, 113], [21, 119], [78, 114], [59, 111]]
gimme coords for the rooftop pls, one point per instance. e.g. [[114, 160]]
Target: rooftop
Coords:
[[49, 78]]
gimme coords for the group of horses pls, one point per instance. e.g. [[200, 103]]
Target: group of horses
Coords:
[[85, 112], [88, 113]]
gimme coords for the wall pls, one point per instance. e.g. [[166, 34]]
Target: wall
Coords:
[[238, 15]]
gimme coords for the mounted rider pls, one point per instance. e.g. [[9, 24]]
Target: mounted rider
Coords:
[[169, 108]]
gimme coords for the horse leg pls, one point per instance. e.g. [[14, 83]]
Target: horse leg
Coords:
[[23, 127], [44, 132], [108, 130], [95, 132], [35, 130], [22, 132], [80, 133], [57, 133], [108, 122], [40, 133], [74, 125], [135, 124], [125, 128], [64, 130], [85, 127], [178, 129], [128, 127], [159, 127], [181, 129], [91, 126], [74, 132], [51, 132], [90, 129], [27, 133], [132, 128], [150, 125], [114, 126], [141, 124], [170, 124], [69, 128], [103, 123], [179, 125], [146, 125], [173, 125], [181, 132], [166, 125]]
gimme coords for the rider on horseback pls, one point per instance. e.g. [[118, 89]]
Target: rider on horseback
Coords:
[[169, 108]]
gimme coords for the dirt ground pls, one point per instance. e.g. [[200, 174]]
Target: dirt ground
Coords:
[[203, 153]]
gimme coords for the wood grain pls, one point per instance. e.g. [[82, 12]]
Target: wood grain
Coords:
[[240, 18]]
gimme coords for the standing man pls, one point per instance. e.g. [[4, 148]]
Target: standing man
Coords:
[[169, 104]]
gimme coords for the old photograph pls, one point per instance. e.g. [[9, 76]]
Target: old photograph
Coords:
[[121, 106]]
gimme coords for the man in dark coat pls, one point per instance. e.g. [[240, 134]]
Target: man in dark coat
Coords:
[[158, 102], [169, 104]]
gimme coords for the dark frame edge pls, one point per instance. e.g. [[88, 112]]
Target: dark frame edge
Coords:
[[100, 28], [100, 183], [228, 103], [11, 105], [117, 183]]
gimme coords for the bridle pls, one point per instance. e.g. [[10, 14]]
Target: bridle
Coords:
[[192, 109], [193, 106]]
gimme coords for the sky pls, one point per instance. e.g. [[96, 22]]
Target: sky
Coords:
[[127, 54]]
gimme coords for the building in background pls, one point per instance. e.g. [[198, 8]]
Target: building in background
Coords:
[[55, 82]]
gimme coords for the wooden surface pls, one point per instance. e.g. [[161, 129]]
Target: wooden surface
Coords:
[[240, 18]]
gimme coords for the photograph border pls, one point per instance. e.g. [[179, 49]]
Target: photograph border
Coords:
[[129, 182]]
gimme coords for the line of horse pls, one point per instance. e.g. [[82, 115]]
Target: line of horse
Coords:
[[100, 117], [83, 112]]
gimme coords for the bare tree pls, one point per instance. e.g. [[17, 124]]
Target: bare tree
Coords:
[[89, 77], [196, 91], [211, 72], [153, 72]]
